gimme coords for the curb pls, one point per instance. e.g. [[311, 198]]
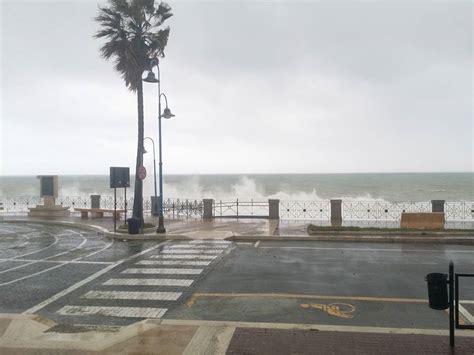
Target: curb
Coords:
[[92, 227], [417, 238], [446, 232], [149, 236], [102, 230], [352, 238]]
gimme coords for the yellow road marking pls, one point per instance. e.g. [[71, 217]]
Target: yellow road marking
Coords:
[[333, 309], [195, 296]]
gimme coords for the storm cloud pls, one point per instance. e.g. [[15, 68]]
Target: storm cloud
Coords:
[[262, 87]]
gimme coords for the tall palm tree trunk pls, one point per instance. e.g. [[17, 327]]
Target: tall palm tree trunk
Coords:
[[138, 199]]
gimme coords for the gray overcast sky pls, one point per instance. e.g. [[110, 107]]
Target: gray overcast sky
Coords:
[[263, 87]]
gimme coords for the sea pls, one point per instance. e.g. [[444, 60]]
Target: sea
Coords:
[[363, 186]]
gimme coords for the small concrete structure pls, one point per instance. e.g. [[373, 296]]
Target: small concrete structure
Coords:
[[273, 209], [49, 192], [422, 220], [336, 213]]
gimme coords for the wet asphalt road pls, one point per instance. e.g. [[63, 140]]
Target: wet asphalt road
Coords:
[[352, 284], [78, 277]]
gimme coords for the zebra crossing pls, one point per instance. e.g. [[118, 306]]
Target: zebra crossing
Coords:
[[162, 278]]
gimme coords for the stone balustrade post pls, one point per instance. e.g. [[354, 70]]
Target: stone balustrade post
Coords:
[[336, 213], [437, 205], [95, 201], [273, 209], [208, 208]]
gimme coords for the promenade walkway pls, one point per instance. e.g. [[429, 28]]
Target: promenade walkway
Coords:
[[33, 335]]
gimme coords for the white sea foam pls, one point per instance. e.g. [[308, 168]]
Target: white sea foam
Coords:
[[349, 187]]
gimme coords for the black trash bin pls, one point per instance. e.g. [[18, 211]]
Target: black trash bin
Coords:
[[438, 290], [133, 225]]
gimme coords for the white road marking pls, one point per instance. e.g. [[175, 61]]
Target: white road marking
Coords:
[[174, 262], [36, 251], [469, 317], [22, 245], [196, 246], [61, 261], [257, 244], [191, 251], [6, 231], [89, 279], [132, 312], [132, 295], [49, 257], [149, 282], [163, 271], [54, 267], [376, 249], [97, 251], [166, 256], [211, 241]]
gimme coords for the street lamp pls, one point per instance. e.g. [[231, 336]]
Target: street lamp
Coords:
[[166, 114], [154, 172]]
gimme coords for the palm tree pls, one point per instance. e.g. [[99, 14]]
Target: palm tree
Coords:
[[134, 35]]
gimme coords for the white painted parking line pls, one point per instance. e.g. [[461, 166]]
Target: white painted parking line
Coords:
[[174, 262], [149, 282], [191, 251], [132, 295], [465, 313], [132, 312], [166, 256], [196, 246], [163, 271]]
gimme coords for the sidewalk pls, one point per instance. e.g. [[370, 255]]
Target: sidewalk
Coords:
[[29, 334], [252, 230]]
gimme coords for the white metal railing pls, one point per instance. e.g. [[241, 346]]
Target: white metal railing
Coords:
[[380, 210], [240, 208]]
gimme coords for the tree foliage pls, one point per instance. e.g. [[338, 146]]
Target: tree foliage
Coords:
[[134, 35]]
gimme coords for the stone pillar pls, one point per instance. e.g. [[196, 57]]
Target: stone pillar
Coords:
[[95, 201], [336, 213], [207, 213], [155, 205], [437, 205], [273, 209]]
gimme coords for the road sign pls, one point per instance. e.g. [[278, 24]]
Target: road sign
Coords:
[[141, 173]]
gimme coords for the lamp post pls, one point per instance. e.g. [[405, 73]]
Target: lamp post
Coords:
[[166, 114], [154, 172]]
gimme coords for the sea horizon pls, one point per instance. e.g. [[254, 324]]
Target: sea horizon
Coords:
[[412, 186]]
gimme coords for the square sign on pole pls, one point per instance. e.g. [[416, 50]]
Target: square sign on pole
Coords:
[[119, 177]]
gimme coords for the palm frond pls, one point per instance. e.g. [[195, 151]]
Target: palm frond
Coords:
[[133, 33]]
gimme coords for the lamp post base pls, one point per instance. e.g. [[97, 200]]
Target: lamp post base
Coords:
[[161, 225]]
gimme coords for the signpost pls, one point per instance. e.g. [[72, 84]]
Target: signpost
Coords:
[[119, 177]]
